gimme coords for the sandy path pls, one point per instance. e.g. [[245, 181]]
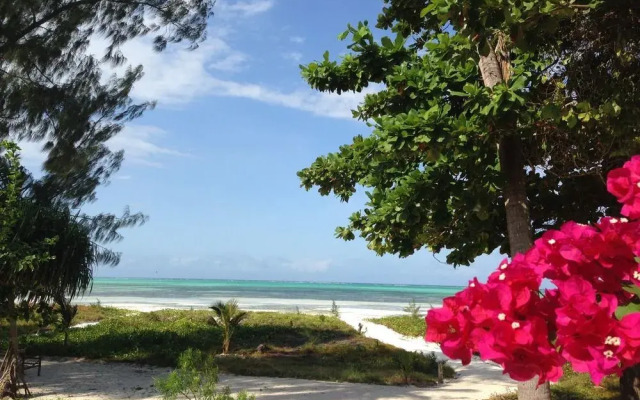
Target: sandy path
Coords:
[[79, 379], [486, 377], [94, 380]]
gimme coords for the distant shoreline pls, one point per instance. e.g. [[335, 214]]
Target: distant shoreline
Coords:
[[460, 287]]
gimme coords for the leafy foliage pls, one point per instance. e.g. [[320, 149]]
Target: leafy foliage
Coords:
[[54, 92], [67, 312], [335, 310], [195, 378], [46, 252], [403, 324], [430, 167], [297, 346], [228, 316], [412, 309]]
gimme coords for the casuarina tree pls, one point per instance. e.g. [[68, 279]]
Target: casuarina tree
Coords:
[[54, 91], [495, 121]]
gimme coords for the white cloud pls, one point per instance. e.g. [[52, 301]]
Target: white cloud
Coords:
[[31, 155], [307, 265], [178, 76], [243, 8], [297, 39], [138, 146], [137, 141], [184, 261], [293, 56], [230, 63], [319, 103]]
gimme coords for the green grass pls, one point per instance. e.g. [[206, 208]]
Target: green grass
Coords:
[[86, 313], [298, 346], [575, 386], [95, 313], [403, 324]]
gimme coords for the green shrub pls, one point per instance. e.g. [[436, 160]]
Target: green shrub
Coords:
[[195, 378], [315, 347], [412, 309], [403, 324], [335, 310]]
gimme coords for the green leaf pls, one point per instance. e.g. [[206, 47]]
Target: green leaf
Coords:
[[427, 10], [550, 111], [387, 43], [632, 289], [343, 35], [459, 94], [621, 311]]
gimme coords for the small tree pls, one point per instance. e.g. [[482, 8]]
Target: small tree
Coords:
[[195, 378], [335, 310], [67, 312], [45, 250], [413, 309], [228, 316]]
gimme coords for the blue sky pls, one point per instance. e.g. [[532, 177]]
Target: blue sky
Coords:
[[214, 165]]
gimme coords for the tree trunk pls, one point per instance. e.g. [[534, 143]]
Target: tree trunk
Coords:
[[11, 373], [630, 383], [492, 67], [226, 342]]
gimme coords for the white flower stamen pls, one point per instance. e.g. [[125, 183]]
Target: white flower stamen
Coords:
[[503, 266], [472, 284], [636, 275], [515, 325], [638, 184], [502, 276], [613, 221], [608, 353], [551, 241], [612, 340], [502, 316], [624, 220]]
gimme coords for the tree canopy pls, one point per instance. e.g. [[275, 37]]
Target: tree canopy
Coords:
[[47, 252], [430, 166], [53, 90]]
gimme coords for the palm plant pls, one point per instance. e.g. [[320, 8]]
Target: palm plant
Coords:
[[67, 311], [46, 251], [227, 316]]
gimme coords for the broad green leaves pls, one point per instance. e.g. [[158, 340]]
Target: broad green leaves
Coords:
[[430, 163]]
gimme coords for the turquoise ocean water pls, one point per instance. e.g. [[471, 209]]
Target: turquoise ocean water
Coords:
[[262, 295]]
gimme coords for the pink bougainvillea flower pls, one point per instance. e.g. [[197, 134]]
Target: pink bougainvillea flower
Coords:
[[508, 320], [624, 183]]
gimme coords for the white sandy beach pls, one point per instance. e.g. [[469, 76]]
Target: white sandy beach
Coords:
[[82, 379]]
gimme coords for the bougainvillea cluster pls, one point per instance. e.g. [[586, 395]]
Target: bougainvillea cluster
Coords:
[[591, 316]]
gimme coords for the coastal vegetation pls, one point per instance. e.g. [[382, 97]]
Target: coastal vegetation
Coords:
[[195, 378], [228, 317], [403, 324], [412, 309], [47, 253], [265, 344], [491, 123], [55, 93]]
